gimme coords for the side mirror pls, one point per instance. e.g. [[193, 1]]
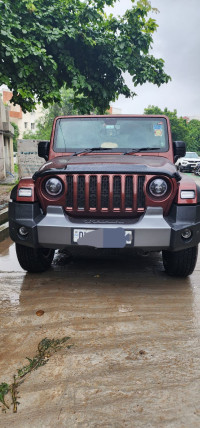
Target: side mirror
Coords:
[[43, 149], [179, 149]]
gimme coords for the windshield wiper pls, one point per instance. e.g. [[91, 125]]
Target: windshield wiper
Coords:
[[142, 149], [93, 149]]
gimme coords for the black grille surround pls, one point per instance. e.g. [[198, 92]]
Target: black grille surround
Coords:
[[105, 193]]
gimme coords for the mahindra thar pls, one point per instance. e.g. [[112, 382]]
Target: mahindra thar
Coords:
[[108, 182]]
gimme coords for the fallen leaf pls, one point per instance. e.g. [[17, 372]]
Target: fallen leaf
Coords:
[[40, 313], [142, 352]]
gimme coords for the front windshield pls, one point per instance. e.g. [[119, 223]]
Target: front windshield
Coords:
[[191, 155], [72, 134]]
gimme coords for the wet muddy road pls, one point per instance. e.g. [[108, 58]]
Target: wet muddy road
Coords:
[[136, 335]]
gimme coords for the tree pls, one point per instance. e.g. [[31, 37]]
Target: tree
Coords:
[[181, 129], [193, 137], [45, 44], [179, 125], [63, 108], [16, 135]]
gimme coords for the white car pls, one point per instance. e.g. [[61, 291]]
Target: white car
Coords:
[[189, 162]]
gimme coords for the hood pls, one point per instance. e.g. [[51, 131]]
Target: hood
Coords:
[[190, 159], [111, 163]]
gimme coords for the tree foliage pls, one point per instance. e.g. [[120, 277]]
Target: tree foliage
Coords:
[[193, 137], [181, 129], [45, 44], [64, 107], [16, 135]]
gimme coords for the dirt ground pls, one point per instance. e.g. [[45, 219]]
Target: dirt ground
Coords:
[[135, 360], [5, 194]]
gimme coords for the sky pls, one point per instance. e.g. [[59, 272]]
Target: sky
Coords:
[[177, 41]]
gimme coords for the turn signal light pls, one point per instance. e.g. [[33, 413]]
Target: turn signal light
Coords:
[[187, 194]]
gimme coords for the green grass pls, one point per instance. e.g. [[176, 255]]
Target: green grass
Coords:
[[16, 168]]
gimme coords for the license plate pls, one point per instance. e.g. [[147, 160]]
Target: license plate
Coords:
[[79, 233]]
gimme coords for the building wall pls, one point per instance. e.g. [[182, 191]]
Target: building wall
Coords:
[[25, 121], [114, 110], [6, 143]]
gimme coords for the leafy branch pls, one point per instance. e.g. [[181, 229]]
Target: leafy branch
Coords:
[[46, 44], [46, 348]]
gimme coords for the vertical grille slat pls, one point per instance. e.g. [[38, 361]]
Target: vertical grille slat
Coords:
[[141, 195], [69, 201], [117, 192], [129, 192], [104, 192], [93, 192], [81, 192]]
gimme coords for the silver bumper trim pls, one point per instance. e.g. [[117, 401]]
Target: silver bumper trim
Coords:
[[150, 231]]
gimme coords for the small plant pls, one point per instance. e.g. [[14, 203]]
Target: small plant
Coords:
[[46, 348]]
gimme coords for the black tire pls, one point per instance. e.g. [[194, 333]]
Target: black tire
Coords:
[[180, 263], [34, 259]]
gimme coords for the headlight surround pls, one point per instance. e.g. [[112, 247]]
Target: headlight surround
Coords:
[[158, 187], [53, 186]]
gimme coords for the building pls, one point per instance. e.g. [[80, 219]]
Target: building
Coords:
[[189, 118], [6, 143], [114, 110], [25, 121]]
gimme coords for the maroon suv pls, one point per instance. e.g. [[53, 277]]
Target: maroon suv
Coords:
[[108, 182]]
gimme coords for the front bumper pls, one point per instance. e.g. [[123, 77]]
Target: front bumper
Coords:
[[189, 167], [151, 232]]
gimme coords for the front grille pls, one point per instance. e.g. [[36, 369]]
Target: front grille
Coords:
[[105, 193], [93, 192], [117, 192], [129, 192], [69, 200], [140, 193], [81, 192]]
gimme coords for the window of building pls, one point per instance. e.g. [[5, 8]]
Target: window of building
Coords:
[[25, 125], [32, 126]]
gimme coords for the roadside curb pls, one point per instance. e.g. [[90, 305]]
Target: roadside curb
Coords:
[[4, 230], [3, 216]]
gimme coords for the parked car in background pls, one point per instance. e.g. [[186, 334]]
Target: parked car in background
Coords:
[[197, 169], [188, 162]]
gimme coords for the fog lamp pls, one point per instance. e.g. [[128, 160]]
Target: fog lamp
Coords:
[[23, 231], [186, 234]]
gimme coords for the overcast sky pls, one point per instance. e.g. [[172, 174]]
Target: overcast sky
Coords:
[[177, 41]]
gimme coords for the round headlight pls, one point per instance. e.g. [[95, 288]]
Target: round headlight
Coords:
[[53, 186], [158, 187]]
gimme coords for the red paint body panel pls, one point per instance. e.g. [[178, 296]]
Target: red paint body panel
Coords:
[[186, 184], [165, 202], [153, 161], [27, 183]]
